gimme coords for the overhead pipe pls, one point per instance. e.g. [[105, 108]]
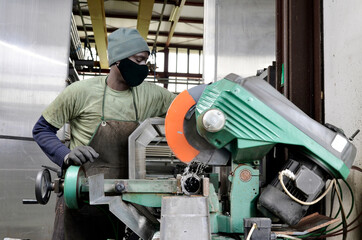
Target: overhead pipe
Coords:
[[153, 18], [87, 43], [159, 24]]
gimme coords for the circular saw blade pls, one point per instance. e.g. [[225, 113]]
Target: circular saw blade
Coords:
[[181, 131], [174, 127]]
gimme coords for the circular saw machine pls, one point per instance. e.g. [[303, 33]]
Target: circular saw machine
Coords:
[[236, 122], [232, 123]]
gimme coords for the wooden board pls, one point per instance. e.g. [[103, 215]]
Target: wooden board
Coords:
[[308, 224]]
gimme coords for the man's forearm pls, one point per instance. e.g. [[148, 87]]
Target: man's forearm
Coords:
[[45, 135]]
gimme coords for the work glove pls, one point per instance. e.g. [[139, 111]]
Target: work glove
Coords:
[[80, 155]]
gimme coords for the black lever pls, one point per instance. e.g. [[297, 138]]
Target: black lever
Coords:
[[354, 135]]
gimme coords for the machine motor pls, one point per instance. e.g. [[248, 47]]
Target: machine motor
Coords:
[[305, 182]]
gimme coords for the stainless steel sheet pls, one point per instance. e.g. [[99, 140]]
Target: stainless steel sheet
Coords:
[[239, 37], [34, 49], [34, 52], [184, 217], [20, 162]]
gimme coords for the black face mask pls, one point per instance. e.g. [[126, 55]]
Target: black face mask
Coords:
[[132, 73]]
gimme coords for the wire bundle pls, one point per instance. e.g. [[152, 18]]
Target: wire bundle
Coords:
[[324, 233]]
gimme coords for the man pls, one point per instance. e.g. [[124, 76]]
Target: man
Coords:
[[102, 112]]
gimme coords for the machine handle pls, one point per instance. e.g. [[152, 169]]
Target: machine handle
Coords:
[[30, 201], [43, 186], [59, 172]]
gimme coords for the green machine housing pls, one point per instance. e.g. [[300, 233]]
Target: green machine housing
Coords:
[[248, 117]]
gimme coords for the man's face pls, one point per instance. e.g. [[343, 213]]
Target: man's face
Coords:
[[139, 58]]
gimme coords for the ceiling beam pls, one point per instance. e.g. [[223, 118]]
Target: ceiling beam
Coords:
[[134, 16], [173, 2], [160, 44], [162, 33], [178, 34], [177, 45], [144, 16], [97, 14], [176, 17], [170, 74]]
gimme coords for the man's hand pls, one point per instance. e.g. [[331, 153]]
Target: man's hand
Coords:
[[80, 155]]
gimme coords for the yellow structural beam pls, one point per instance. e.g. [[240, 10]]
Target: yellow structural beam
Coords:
[[97, 14], [145, 8]]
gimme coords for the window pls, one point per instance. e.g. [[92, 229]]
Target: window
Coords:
[[182, 61], [194, 59], [172, 60], [160, 61]]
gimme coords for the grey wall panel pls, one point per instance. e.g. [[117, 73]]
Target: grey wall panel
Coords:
[[34, 52], [239, 37], [343, 85], [20, 162], [34, 48]]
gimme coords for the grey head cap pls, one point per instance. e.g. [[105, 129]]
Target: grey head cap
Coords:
[[123, 43]]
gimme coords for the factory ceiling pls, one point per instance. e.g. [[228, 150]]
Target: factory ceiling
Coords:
[[163, 23]]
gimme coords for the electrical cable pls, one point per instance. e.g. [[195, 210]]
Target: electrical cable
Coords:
[[336, 233], [350, 210], [340, 189], [324, 230], [356, 168], [291, 175], [283, 173], [287, 236], [251, 231], [344, 222], [349, 230], [333, 194], [352, 197], [344, 219]]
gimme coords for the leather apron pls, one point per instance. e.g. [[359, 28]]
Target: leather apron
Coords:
[[110, 140]]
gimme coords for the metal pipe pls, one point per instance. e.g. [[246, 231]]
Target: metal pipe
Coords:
[[87, 44], [159, 25]]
